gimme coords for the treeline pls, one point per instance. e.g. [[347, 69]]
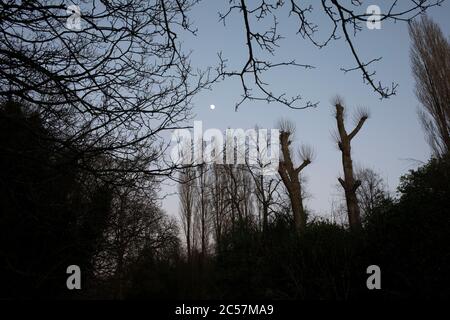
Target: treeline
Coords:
[[54, 214], [216, 197], [241, 238]]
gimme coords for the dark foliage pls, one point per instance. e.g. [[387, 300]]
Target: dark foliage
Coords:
[[409, 238], [48, 218]]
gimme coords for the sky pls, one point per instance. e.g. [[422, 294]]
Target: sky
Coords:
[[391, 141]]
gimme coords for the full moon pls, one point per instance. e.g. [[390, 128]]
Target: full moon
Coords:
[[212, 107]]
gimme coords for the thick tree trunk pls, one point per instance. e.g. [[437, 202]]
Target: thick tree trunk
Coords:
[[291, 180], [349, 184], [297, 206]]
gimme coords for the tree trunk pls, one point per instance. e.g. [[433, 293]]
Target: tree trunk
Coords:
[[349, 183], [290, 177]]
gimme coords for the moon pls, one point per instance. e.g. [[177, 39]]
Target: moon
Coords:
[[212, 107]]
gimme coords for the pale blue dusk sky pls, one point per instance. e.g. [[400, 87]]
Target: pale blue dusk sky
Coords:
[[390, 138]]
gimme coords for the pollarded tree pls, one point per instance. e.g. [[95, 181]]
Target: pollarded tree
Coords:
[[290, 173], [349, 183]]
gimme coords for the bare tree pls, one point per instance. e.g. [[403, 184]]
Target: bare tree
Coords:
[[290, 174], [220, 204], [338, 208], [430, 62], [187, 201], [125, 79], [201, 206], [349, 183], [135, 223], [120, 74], [266, 192], [260, 25], [237, 189], [371, 191]]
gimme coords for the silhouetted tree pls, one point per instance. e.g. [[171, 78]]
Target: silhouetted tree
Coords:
[[371, 192], [266, 184], [290, 174], [202, 206], [220, 204], [409, 237], [187, 192], [349, 183], [260, 23], [52, 215], [121, 74], [430, 62]]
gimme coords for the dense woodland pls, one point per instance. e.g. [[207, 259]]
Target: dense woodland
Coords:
[[83, 162]]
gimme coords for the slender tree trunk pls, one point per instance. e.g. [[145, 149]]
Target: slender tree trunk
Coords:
[[188, 241], [265, 216]]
